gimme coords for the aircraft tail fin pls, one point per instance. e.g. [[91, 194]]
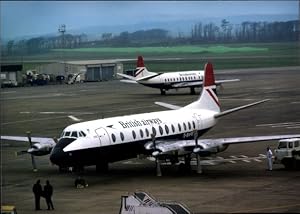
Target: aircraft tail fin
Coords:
[[208, 98], [141, 70]]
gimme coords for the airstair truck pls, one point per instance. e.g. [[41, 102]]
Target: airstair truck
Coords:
[[288, 153]]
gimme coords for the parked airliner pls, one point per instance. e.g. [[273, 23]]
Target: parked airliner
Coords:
[[169, 80], [164, 134]]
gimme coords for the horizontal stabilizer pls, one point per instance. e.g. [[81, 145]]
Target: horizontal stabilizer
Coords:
[[239, 108], [168, 106], [148, 76], [126, 76], [219, 82]]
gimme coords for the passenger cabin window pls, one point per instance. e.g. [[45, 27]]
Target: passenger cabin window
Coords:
[[184, 126], [122, 136], [153, 131], [141, 133], [194, 125], [173, 128], [179, 127], [113, 137], [189, 125], [147, 132], [167, 129], [161, 131], [133, 134]]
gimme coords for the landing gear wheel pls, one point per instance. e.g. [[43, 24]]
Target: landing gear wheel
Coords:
[[162, 92]]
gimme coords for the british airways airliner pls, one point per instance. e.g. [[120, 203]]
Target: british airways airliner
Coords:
[[169, 80]]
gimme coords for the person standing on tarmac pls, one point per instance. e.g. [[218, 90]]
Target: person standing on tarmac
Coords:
[[269, 155], [48, 192], [37, 191]]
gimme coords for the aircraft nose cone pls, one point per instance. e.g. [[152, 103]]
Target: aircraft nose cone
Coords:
[[58, 156]]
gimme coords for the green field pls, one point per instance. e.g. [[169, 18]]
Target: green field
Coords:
[[248, 55]]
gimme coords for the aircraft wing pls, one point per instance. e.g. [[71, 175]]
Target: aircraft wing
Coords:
[[129, 81], [41, 140], [169, 146], [168, 106], [199, 83]]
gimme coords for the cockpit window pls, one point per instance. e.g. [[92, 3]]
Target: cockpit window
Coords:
[[74, 134], [67, 134], [62, 134], [83, 134]]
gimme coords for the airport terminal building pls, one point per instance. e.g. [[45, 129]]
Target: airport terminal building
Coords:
[[90, 70]]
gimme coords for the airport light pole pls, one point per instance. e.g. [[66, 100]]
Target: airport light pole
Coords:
[[62, 30]]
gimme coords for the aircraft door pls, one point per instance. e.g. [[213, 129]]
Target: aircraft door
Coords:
[[103, 137]]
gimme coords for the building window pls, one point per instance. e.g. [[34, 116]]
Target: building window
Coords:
[[113, 137]]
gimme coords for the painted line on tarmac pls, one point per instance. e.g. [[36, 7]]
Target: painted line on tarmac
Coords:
[[266, 208], [8, 92], [55, 112], [74, 118], [33, 120]]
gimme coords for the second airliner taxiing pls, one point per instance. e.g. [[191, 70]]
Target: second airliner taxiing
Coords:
[[169, 80], [165, 135]]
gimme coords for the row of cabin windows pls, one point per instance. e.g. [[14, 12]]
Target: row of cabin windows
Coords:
[[161, 131], [75, 134], [181, 78]]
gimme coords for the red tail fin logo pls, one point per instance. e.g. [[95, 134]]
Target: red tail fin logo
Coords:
[[209, 75], [140, 62]]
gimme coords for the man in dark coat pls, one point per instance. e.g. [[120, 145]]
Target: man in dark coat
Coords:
[[48, 191], [37, 191]]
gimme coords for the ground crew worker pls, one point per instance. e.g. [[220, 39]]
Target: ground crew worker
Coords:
[[48, 191], [269, 155], [37, 191]]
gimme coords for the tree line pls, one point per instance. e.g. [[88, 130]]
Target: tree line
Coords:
[[225, 32]]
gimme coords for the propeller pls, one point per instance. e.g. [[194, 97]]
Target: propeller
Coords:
[[32, 156], [155, 154], [196, 151]]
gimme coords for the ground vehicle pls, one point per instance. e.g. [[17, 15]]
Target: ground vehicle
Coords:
[[288, 153], [5, 209]]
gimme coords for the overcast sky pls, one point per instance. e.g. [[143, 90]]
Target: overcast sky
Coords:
[[19, 18]]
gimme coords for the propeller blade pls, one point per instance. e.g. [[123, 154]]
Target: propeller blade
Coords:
[[197, 150], [21, 153], [155, 154], [158, 168], [199, 167], [33, 163], [29, 138]]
